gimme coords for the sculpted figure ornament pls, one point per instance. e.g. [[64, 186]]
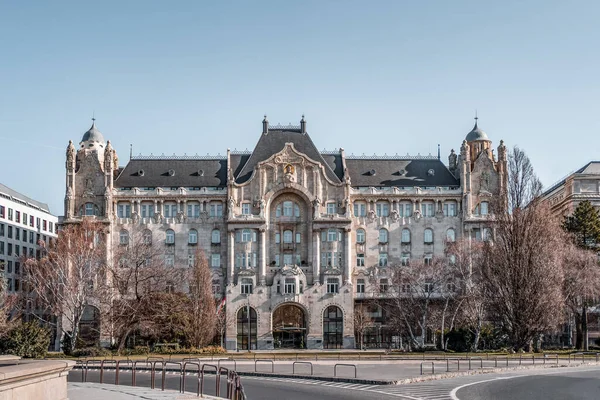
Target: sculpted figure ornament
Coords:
[[70, 153], [158, 218], [262, 204], [395, 216], [230, 208], [316, 205], [180, 217], [372, 215], [135, 217]]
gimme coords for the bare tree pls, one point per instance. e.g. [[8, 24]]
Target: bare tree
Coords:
[[66, 277], [362, 322], [522, 267], [414, 292], [221, 325], [202, 314], [466, 256], [581, 283], [137, 280]]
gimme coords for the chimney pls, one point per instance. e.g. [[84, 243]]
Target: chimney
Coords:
[[303, 124]]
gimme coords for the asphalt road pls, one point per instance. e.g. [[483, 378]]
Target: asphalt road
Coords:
[[547, 385]]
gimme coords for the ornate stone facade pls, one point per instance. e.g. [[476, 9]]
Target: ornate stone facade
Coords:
[[289, 231]]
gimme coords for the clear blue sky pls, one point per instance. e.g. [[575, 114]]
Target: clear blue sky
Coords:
[[371, 76]]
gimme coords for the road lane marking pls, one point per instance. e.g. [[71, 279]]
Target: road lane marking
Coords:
[[456, 389]]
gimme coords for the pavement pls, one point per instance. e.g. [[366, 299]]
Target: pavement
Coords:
[[97, 391]]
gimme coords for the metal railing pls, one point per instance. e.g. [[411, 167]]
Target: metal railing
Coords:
[[343, 365], [234, 388], [302, 362]]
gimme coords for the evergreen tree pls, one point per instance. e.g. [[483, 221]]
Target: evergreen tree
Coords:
[[584, 224]]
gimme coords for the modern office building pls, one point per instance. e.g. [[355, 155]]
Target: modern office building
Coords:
[[295, 236]]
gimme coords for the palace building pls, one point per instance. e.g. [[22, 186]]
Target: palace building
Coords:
[[295, 236]]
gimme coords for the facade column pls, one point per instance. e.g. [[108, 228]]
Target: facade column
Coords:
[[316, 256], [348, 258], [230, 257], [262, 262]]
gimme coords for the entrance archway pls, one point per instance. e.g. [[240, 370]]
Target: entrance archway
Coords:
[[333, 328], [246, 329], [289, 327]]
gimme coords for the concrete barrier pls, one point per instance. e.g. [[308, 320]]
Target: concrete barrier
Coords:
[[34, 379]]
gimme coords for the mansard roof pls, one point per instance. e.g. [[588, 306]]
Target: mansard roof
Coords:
[[273, 141], [425, 171], [167, 172]]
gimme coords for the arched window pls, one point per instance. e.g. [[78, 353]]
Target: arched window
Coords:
[[193, 236], [360, 236], [428, 236], [333, 328], [170, 236], [288, 237], [484, 208], [405, 236], [383, 236], [89, 209], [246, 235], [124, 237], [451, 235], [215, 236], [246, 328], [147, 236]]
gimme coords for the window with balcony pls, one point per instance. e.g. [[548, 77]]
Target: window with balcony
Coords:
[[383, 236], [405, 236], [123, 210], [333, 285], [360, 209], [246, 209], [170, 210], [360, 236], [147, 210], [360, 286], [170, 236], [382, 209], [428, 236], [193, 236], [193, 210], [427, 209], [331, 208], [288, 236], [450, 209]]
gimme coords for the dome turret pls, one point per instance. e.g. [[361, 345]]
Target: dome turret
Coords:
[[93, 137], [476, 134]]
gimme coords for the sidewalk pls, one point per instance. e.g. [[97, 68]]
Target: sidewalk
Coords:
[[96, 391]]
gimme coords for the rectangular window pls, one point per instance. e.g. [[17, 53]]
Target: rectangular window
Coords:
[[215, 260], [288, 259], [383, 285], [360, 260], [405, 260], [44, 225], [169, 260], [17, 234], [246, 209], [193, 210], [476, 234], [428, 287], [2, 212], [123, 210], [147, 210], [50, 227], [360, 286], [31, 237], [9, 265], [333, 285], [290, 286], [450, 209], [484, 208], [427, 209], [331, 208], [1, 229], [18, 216], [9, 249], [10, 230], [383, 259], [10, 214], [428, 259], [37, 223], [31, 220], [360, 209], [332, 235], [1, 247], [216, 286], [170, 210], [216, 210], [246, 286], [191, 260], [277, 260], [382, 209]]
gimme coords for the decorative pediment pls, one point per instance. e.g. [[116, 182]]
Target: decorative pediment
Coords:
[[247, 272], [332, 271], [291, 270]]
